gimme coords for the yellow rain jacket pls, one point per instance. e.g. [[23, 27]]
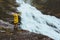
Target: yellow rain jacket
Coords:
[[16, 18]]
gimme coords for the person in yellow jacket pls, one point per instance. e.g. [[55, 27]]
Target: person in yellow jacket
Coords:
[[15, 21], [16, 18]]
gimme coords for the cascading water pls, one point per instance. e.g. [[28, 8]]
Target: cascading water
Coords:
[[34, 21]]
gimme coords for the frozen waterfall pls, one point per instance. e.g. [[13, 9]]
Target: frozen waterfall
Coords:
[[34, 21]]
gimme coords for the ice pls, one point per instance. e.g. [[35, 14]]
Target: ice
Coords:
[[35, 21]]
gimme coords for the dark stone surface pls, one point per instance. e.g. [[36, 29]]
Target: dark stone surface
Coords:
[[23, 35], [49, 7]]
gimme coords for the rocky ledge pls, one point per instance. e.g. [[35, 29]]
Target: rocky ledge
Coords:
[[18, 35], [23, 35]]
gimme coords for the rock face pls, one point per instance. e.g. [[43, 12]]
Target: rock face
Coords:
[[18, 35], [23, 35], [7, 6], [51, 7], [6, 24]]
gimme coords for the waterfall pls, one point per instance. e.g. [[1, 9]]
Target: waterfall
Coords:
[[34, 21]]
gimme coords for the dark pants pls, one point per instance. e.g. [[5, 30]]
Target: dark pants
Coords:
[[15, 28]]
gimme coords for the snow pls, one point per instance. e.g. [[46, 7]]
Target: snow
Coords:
[[34, 21]]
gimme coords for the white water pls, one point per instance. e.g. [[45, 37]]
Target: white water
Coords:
[[34, 21]]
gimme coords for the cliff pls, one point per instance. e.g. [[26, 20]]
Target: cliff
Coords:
[[50, 7], [7, 6]]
